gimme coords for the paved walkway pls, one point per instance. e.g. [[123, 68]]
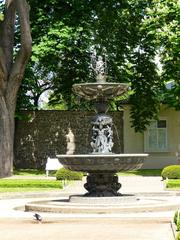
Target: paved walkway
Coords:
[[86, 229], [142, 226]]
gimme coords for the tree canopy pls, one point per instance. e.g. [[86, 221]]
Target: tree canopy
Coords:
[[164, 25], [130, 33]]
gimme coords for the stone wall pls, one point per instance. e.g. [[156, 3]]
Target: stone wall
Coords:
[[45, 135]]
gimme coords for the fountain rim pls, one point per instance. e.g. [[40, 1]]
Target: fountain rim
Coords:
[[101, 83], [103, 155]]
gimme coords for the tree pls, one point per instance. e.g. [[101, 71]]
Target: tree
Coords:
[[113, 29], [162, 23], [37, 81], [131, 55], [13, 59], [130, 33], [61, 42]]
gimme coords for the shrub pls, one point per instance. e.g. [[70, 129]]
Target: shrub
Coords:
[[176, 216], [178, 236], [171, 172], [178, 225], [173, 183], [177, 220], [65, 174]]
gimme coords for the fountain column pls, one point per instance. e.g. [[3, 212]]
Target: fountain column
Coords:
[[100, 184]]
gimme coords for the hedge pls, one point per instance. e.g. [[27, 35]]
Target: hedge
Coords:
[[171, 172], [65, 174], [178, 236]]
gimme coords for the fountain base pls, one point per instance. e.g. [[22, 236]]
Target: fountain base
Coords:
[[101, 169], [102, 185]]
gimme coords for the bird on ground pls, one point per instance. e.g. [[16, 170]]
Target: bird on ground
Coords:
[[37, 217]]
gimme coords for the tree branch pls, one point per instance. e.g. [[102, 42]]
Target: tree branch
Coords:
[[7, 42], [26, 42], [24, 53]]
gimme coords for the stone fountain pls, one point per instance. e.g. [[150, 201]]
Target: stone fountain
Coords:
[[102, 164]]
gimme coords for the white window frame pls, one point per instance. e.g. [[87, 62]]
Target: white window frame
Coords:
[[156, 148]]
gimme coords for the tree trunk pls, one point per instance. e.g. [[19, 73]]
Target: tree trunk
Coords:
[[6, 147], [11, 74]]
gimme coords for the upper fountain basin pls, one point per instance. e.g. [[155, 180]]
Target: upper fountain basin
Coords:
[[102, 162], [100, 90]]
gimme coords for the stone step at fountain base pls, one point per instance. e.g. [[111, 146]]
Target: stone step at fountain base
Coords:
[[104, 205], [83, 199]]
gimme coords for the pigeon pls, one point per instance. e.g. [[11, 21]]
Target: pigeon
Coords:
[[37, 217]]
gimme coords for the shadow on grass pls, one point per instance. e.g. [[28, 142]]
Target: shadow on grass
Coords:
[[24, 172], [140, 172]]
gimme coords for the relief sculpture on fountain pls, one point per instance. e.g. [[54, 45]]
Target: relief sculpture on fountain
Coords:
[[102, 134]]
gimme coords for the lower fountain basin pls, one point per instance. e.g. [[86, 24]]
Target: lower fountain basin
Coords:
[[102, 162]]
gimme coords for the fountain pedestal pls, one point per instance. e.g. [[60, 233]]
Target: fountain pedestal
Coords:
[[102, 185]]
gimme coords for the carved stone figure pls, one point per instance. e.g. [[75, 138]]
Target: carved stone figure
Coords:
[[99, 67], [70, 142], [102, 134]]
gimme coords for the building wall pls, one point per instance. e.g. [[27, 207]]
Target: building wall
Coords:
[[134, 142], [45, 135]]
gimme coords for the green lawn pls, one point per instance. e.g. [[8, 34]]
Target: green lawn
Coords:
[[29, 172], [173, 184], [142, 172], [23, 185], [26, 185]]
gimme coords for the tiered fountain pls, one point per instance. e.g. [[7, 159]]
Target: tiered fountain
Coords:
[[102, 164]]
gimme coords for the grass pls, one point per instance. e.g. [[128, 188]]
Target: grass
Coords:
[[24, 185], [142, 172], [29, 172], [17, 190], [27, 185], [173, 184]]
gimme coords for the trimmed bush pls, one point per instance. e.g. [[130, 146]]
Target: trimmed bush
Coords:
[[65, 174], [178, 236], [173, 183], [171, 172]]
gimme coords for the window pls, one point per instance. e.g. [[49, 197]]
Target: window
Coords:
[[156, 136]]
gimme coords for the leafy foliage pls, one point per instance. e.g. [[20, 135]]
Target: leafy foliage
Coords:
[[162, 23], [178, 225], [178, 236], [171, 172], [38, 80], [176, 217], [173, 184], [65, 174], [130, 34]]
